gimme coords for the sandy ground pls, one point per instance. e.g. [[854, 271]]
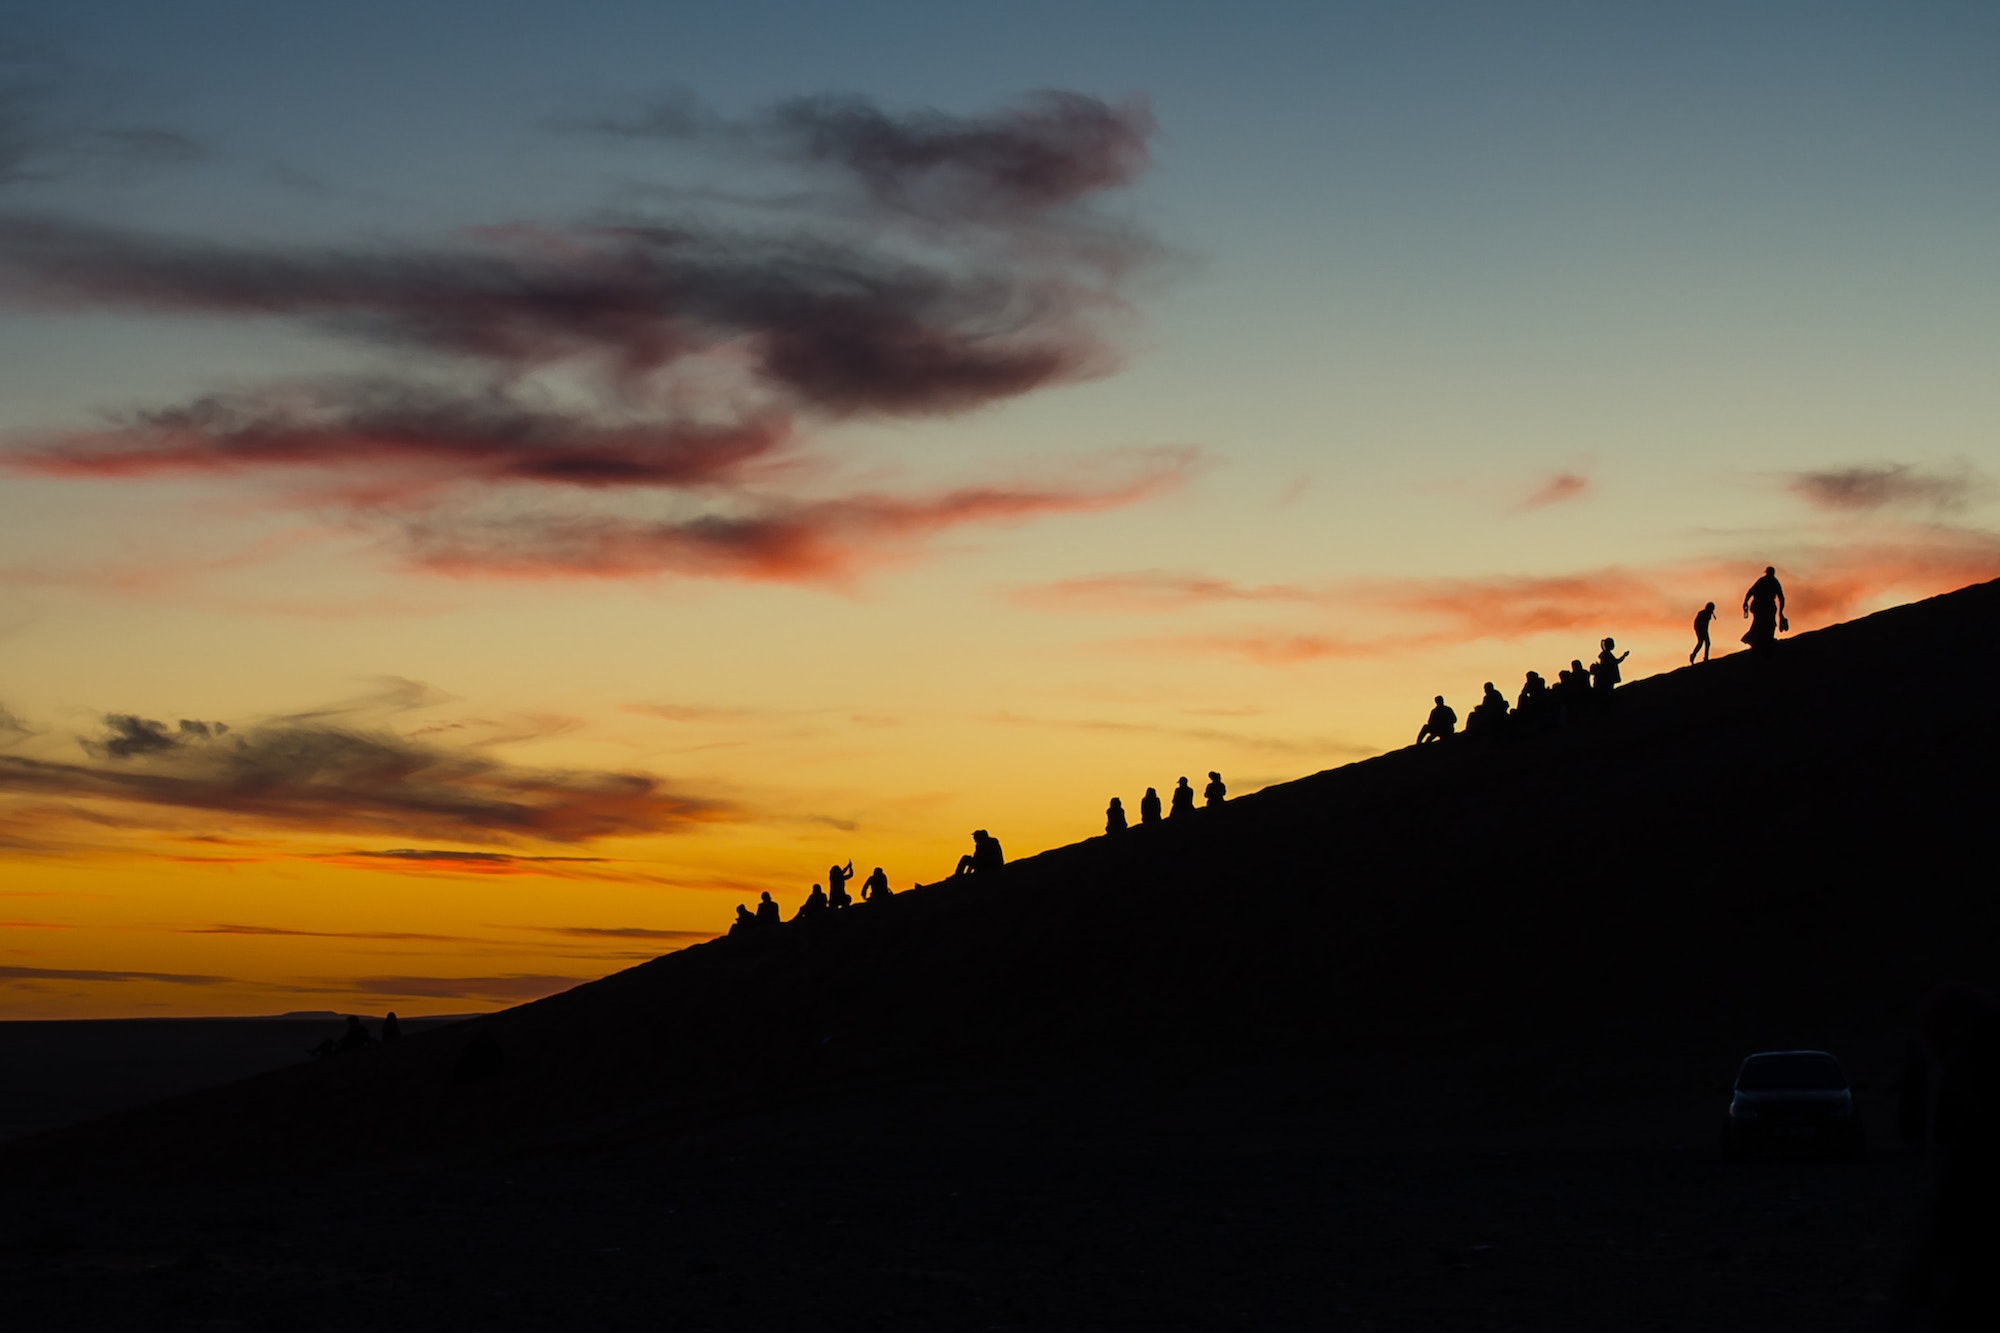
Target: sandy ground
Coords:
[[1241, 1205]]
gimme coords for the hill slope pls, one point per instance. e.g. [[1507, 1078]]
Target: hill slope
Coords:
[[1752, 851]]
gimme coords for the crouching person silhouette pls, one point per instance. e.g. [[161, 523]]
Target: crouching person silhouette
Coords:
[[985, 857], [1441, 723], [875, 886]]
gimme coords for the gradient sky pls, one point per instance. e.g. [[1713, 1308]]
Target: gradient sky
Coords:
[[484, 488]]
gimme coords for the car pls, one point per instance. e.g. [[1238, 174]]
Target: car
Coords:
[[1791, 1102]]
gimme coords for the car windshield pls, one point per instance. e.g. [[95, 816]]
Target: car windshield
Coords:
[[1815, 1073]]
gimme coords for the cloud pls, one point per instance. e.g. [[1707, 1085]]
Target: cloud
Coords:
[[513, 988], [399, 441], [820, 325], [1051, 150], [12, 728], [43, 140], [1161, 592], [420, 859], [131, 736], [310, 774], [391, 936], [696, 360], [1890, 485], [74, 974], [628, 933], [1558, 488], [824, 541]]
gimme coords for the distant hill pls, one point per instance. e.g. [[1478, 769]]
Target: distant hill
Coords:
[[1754, 851]]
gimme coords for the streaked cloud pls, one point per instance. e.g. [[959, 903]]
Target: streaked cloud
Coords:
[[1561, 487], [1889, 486], [18, 974], [310, 773]]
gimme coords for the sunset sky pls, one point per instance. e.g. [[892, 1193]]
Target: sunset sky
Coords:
[[485, 488]]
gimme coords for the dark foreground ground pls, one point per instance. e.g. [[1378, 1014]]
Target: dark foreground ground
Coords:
[[1289, 1195], [62, 1072]]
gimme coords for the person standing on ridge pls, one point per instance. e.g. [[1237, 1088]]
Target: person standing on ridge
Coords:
[[1183, 802], [1114, 816], [1440, 724], [1701, 619], [1764, 607], [1214, 792], [1605, 669], [1149, 807]]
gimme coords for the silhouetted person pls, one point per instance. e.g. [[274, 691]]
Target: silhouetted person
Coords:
[[1441, 723], [814, 904], [746, 921], [1214, 792], [1913, 1095], [875, 886], [1604, 671], [1149, 807], [1488, 717], [1183, 799], [1961, 1246], [1114, 816], [1533, 703], [356, 1035], [1701, 619], [1572, 690], [767, 910], [836, 885], [1764, 605], [391, 1029], [985, 857]]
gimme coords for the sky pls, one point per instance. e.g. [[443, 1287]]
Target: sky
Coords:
[[486, 488]]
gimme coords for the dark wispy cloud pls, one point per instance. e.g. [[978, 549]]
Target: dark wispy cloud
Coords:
[[1556, 489], [1889, 486], [699, 356], [398, 441], [388, 936], [1051, 150], [45, 136], [312, 774], [512, 988], [87, 974], [628, 933]]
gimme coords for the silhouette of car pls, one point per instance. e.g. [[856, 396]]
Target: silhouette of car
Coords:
[[1791, 1101]]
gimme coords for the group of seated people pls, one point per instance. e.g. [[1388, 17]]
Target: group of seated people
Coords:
[[1540, 705], [829, 899], [1149, 804]]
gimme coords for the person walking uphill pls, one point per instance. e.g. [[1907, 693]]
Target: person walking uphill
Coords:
[[1764, 604], [1701, 619]]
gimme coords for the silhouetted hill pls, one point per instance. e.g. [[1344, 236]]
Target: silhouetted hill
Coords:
[[1755, 851]]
